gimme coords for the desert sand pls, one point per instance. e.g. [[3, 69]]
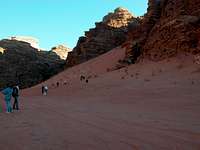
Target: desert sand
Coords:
[[146, 106]]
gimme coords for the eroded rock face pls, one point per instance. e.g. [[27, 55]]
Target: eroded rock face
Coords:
[[137, 36], [108, 34], [169, 27], [176, 31], [23, 64]]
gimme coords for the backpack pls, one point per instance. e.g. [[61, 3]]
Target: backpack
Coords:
[[15, 91], [46, 88]]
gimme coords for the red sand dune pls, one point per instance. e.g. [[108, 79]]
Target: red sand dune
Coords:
[[147, 106]]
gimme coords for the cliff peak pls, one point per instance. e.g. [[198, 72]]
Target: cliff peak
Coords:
[[121, 17], [61, 50]]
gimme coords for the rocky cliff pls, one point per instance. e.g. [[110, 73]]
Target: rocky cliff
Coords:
[[20, 63], [169, 27], [176, 30], [108, 34]]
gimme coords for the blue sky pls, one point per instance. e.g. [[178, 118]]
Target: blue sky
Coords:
[[56, 22]]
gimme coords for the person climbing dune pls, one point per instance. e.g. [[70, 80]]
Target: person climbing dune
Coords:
[[45, 90], [7, 92], [15, 95]]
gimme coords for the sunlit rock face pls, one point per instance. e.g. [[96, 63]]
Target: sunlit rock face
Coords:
[[121, 17], [2, 50], [31, 40], [107, 34], [61, 50]]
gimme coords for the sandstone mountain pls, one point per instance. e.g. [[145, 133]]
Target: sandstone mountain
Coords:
[[23, 64], [168, 28], [61, 51], [108, 34]]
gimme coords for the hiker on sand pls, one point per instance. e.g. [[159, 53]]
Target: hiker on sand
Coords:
[[57, 84], [65, 83], [82, 77], [42, 89], [45, 90], [8, 94], [0, 107], [15, 95]]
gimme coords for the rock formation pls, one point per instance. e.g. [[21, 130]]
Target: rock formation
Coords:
[[108, 34], [23, 64], [2, 50], [137, 36], [169, 27], [176, 31], [31, 40], [61, 51]]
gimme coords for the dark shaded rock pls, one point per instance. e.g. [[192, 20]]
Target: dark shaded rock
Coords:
[[23, 64]]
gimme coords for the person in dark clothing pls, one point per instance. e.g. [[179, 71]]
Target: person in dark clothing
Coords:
[[15, 95], [42, 89], [57, 84], [82, 77]]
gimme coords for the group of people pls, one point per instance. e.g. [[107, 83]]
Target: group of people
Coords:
[[82, 78], [9, 92]]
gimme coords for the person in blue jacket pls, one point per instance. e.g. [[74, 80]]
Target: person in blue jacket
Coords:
[[8, 94]]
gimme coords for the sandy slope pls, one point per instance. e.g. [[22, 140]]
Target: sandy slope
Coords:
[[148, 106]]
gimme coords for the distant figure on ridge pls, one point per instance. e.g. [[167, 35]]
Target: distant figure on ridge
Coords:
[[8, 94], [15, 95]]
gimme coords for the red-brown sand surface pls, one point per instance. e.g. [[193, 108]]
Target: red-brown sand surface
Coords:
[[147, 106]]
